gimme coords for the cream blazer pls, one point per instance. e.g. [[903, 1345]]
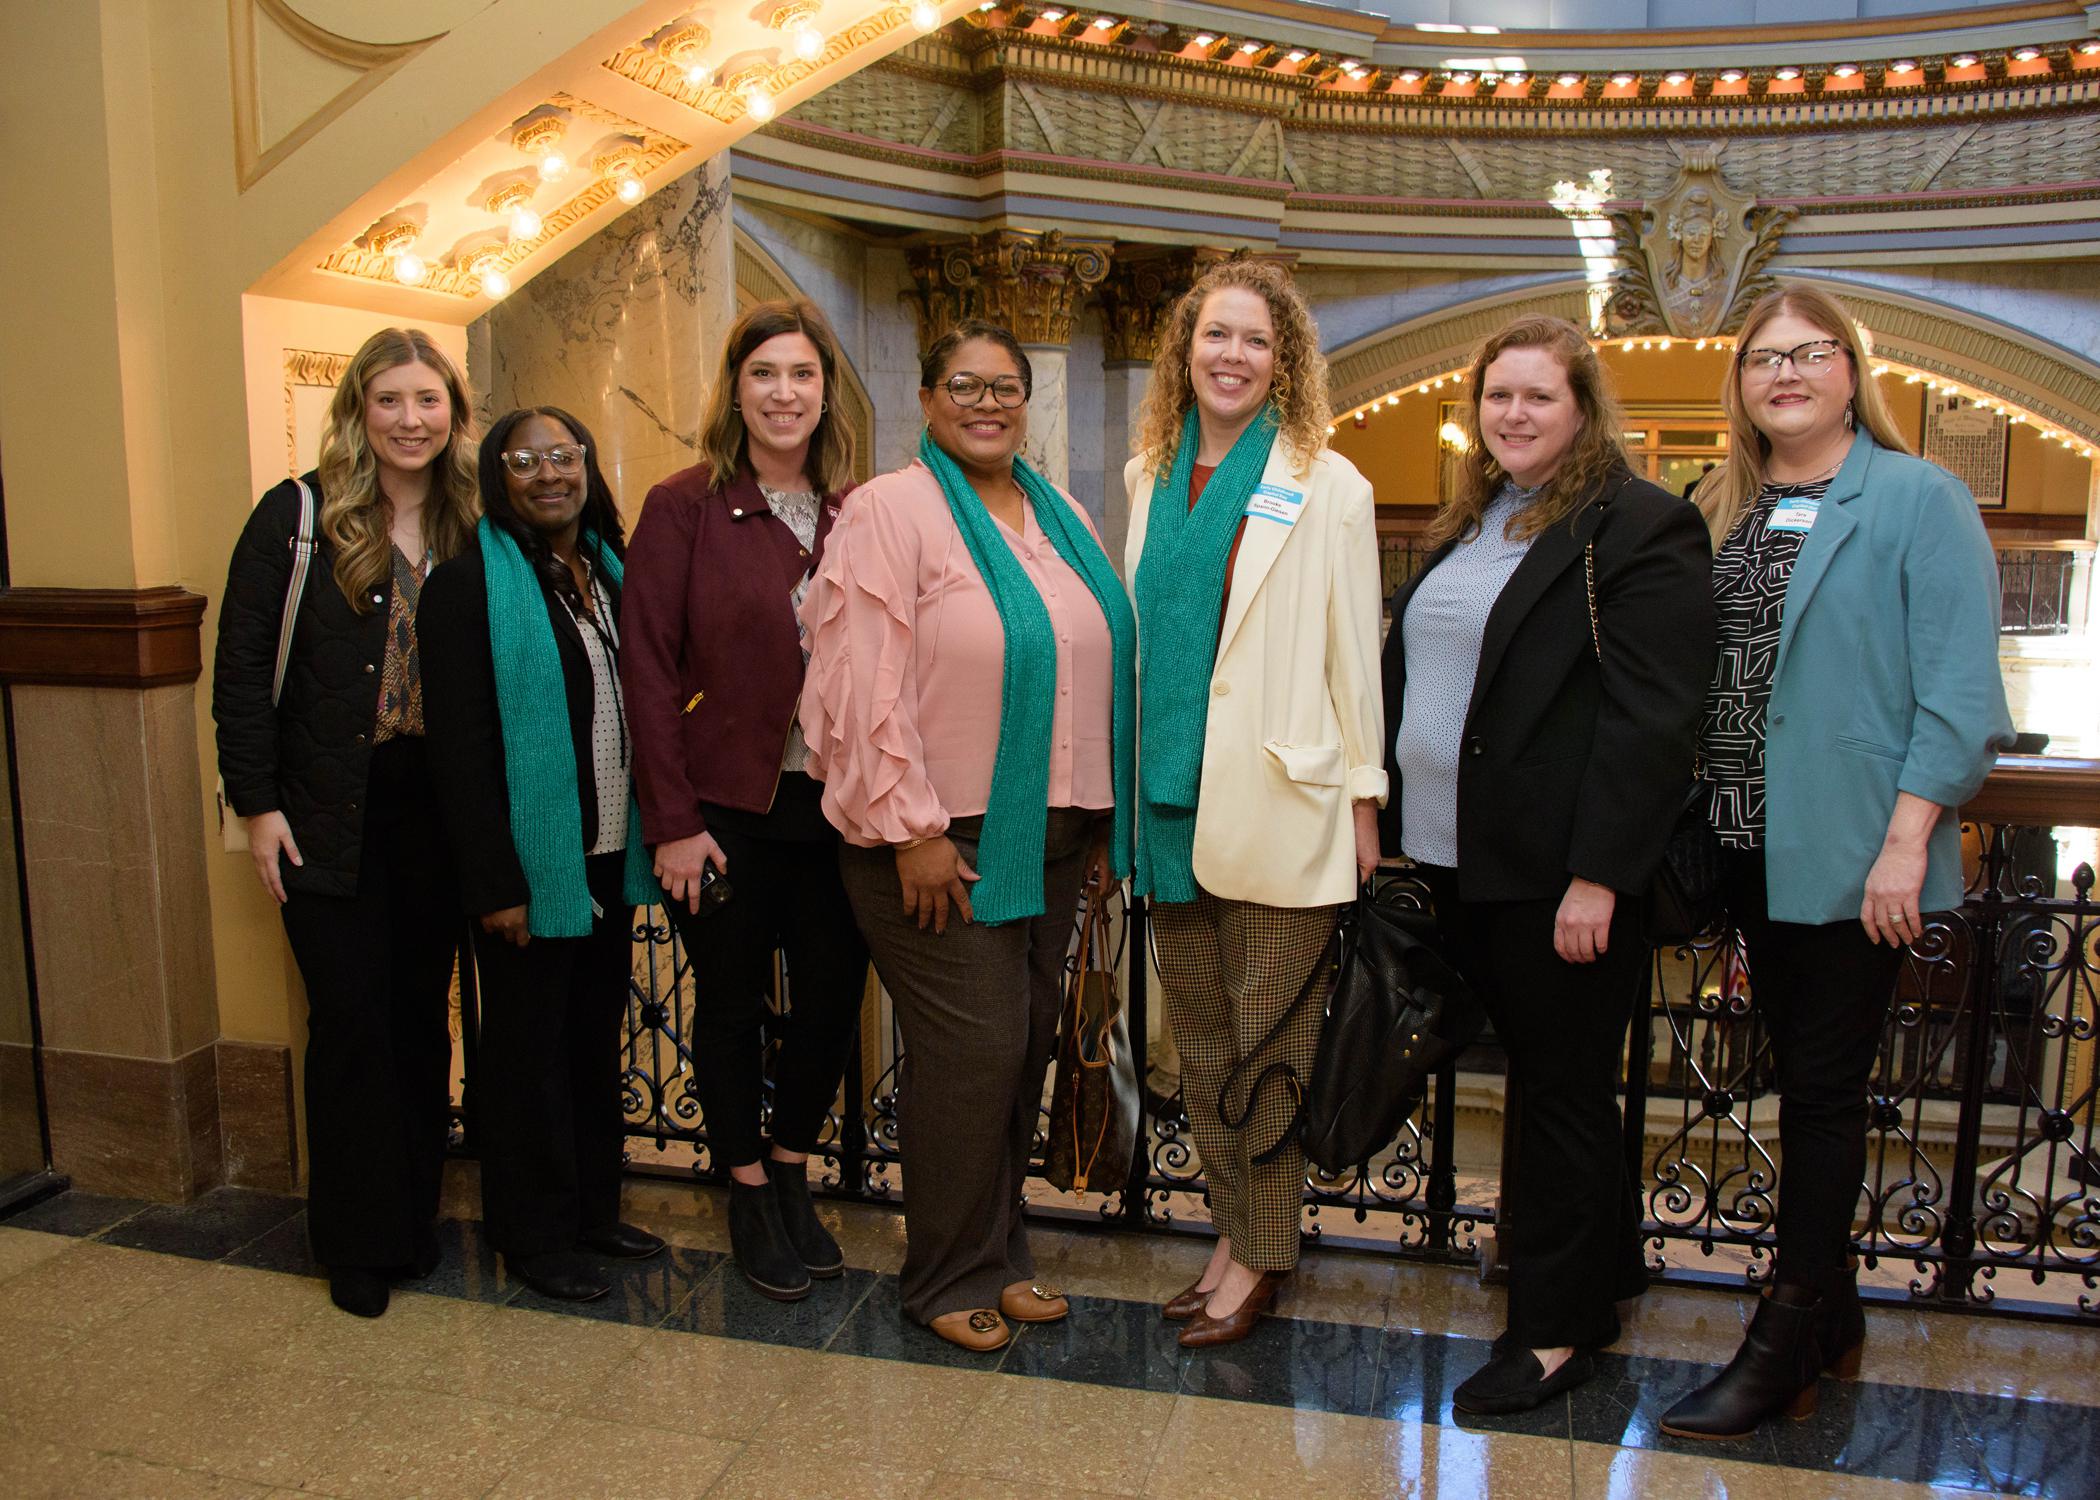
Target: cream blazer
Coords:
[[1296, 730]]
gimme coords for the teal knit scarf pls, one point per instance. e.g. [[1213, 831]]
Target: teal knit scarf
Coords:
[[539, 761], [1010, 853], [1179, 585]]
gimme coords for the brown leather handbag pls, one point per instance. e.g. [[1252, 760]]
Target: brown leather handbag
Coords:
[[1095, 1100]]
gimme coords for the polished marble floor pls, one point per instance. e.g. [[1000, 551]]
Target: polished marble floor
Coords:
[[150, 1351]]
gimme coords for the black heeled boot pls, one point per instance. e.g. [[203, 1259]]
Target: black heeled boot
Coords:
[[814, 1247], [1774, 1371], [760, 1243], [1841, 1325]]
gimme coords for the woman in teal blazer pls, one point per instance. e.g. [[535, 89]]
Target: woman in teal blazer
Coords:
[[1856, 705]]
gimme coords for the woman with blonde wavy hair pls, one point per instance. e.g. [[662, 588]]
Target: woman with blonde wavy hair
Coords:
[[1544, 673], [322, 752], [1253, 561]]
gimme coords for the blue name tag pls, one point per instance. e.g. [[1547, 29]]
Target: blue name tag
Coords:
[[1794, 515], [1272, 502]]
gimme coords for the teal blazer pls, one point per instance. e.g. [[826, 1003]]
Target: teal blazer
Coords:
[[1886, 680]]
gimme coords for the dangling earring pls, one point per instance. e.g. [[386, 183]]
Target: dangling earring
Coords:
[[1849, 420]]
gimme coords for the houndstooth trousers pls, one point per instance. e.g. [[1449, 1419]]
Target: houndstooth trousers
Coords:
[[1231, 969]]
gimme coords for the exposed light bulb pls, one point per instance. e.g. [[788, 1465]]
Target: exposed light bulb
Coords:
[[1250, 48], [807, 41], [494, 283], [630, 189], [1844, 70], [525, 224], [1203, 39], [2089, 49], [1731, 75], [1461, 79], [1622, 80], [1518, 79], [1053, 15], [758, 103], [2027, 54], [409, 269], [1295, 55], [553, 167], [925, 15], [1904, 66], [1674, 79], [1962, 60], [1410, 75], [1104, 23], [1787, 75], [1568, 80], [699, 74]]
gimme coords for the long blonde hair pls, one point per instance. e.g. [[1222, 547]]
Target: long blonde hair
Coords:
[[1297, 388], [723, 438], [1731, 488], [1597, 452], [355, 515]]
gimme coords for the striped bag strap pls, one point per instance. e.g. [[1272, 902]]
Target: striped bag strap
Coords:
[[295, 591]]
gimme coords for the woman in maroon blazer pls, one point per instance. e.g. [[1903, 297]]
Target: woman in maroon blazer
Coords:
[[712, 664]]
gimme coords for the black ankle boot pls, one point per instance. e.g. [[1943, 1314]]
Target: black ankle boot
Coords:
[[760, 1243], [819, 1253], [357, 1290], [1774, 1371], [1841, 1326]]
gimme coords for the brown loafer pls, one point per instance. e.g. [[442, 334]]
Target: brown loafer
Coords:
[[1186, 1303], [1205, 1331], [980, 1330], [1033, 1302]]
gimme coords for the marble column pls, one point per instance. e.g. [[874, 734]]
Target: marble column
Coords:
[[1029, 283], [625, 331]]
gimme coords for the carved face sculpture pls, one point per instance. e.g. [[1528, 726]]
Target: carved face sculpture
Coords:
[[1694, 231]]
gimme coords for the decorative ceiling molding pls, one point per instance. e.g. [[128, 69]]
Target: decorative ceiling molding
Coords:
[[1427, 348], [375, 62]]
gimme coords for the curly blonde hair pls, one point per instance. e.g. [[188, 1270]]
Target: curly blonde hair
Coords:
[[355, 515], [1298, 386], [1597, 452]]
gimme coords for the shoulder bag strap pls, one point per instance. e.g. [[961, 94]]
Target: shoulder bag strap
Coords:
[[295, 591], [1331, 954]]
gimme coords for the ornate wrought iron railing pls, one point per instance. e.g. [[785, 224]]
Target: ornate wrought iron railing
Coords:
[[1983, 1164]]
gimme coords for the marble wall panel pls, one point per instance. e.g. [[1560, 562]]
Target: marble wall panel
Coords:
[[114, 838], [1352, 303], [624, 330], [1123, 392], [257, 1129], [1048, 444], [21, 1139], [1085, 410], [135, 1127]]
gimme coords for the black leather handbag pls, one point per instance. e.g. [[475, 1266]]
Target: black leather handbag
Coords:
[[1399, 1012]]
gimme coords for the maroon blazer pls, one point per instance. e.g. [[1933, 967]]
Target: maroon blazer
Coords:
[[710, 657]]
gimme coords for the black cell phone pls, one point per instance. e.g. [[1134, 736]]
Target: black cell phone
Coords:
[[715, 889]]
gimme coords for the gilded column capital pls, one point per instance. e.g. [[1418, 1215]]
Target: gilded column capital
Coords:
[[1141, 288], [1028, 282]]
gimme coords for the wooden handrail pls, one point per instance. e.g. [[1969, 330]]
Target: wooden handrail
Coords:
[[2043, 791]]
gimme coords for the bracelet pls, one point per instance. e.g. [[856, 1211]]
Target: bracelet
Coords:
[[912, 843]]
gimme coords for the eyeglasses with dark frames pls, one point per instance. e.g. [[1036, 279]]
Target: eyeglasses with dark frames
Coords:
[[968, 390], [566, 458], [1813, 359]]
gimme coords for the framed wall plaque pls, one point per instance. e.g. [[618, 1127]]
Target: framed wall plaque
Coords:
[[1970, 442]]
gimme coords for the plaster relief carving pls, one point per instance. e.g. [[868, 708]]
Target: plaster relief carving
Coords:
[[1692, 261]]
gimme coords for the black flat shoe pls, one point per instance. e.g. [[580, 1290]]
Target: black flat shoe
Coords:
[[561, 1274], [358, 1291], [814, 1247], [1513, 1380], [624, 1242], [761, 1246]]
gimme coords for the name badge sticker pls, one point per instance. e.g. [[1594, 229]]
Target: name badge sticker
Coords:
[[1272, 502], [1797, 514]]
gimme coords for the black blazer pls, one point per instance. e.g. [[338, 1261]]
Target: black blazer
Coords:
[[1571, 766], [465, 731], [310, 755]]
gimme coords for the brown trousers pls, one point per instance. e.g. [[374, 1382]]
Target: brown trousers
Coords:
[[977, 1008], [1231, 969]]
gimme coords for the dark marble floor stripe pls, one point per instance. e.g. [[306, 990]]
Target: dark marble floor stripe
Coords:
[[1913, 1434]]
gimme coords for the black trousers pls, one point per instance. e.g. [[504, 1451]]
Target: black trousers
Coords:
[[547, 1077], [787, 896], [1823, 991], [1573, 1244], [378, 973]]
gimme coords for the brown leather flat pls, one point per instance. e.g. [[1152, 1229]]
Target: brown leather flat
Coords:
[[980, 1330], [1033, 1302], [1204, 1331], [1186, 1303]]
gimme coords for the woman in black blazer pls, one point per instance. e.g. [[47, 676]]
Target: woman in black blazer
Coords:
[[331, 777], [531, 753], [1545, 673]]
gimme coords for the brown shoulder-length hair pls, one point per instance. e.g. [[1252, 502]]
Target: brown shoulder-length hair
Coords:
[[1724, 494], [1297, 388], [355, 516], [1598, 451], [722, 435]]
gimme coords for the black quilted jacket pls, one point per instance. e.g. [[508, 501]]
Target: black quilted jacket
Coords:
[[308, 757]]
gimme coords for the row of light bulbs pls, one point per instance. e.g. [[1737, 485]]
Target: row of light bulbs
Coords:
[[806, 42], [2017, 415]]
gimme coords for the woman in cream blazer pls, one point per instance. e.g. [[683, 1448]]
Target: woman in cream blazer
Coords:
[[1252, 552]]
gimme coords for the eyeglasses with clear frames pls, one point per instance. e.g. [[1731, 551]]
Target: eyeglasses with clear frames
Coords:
[[1814, 359], [566, 458], [968, 390]]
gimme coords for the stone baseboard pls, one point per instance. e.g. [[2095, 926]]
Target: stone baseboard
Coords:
[[258, 1124], [135, 1127]]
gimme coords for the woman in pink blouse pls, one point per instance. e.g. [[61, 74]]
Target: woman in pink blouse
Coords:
[[969, 708]]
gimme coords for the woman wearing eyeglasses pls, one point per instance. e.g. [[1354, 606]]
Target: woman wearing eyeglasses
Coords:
[[722, 554], [971, 665], [530, 747], [1856, 705]]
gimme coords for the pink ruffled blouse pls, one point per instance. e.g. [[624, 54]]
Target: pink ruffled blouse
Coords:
[[906, 660]]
